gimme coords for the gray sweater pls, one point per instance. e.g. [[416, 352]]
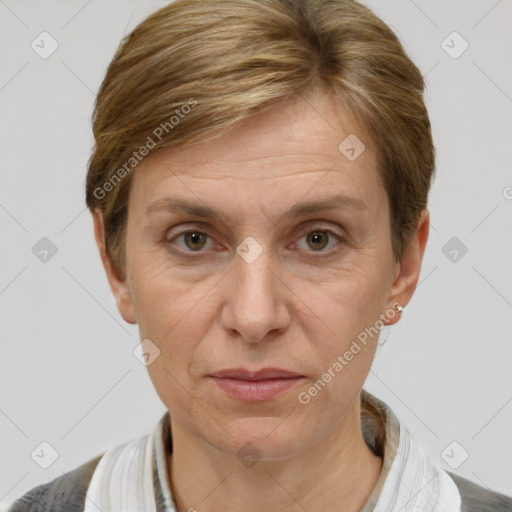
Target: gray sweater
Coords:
[[67, 494], [380, 429]]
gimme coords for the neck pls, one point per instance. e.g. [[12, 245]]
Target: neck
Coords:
[[340, 469]]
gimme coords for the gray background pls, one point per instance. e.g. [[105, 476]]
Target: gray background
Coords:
[[68, 373]]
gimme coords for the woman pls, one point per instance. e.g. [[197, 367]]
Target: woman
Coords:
[[259, 191]]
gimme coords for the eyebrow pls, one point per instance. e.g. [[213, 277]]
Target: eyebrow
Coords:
[[193, 209]]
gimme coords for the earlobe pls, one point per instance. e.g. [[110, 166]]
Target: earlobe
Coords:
[[407, 272], [118, 285]]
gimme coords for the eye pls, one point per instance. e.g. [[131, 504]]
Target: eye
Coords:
[[193, 240], [316, 240], [319, 239]]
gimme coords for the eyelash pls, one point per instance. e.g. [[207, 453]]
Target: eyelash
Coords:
[[304, 232]]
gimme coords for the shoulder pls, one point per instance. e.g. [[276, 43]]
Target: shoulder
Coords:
[[476, 498], [65, 493]]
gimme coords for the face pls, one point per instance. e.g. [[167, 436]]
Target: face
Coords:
[[256, 280]]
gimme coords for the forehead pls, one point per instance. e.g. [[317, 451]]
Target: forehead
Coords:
[[303, 144]]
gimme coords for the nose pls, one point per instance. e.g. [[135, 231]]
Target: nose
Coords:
[[255, 307]]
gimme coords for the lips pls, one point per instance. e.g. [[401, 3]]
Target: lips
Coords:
[[255, 385], [255, 375]]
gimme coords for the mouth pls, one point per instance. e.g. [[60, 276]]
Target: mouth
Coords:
[[255, 385]]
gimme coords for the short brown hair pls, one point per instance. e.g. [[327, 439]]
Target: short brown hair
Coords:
[[225, 60]]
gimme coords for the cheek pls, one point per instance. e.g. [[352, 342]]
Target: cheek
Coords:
[[343, 358], [175, 317], [349, 300], [162, 299], [342, 323]]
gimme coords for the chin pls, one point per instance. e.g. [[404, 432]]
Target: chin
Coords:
[[268, 438]]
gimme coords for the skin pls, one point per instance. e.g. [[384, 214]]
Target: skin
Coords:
[[298, 306]]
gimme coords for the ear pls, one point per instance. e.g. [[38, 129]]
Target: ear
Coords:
[[118, 285], [407, 272]]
